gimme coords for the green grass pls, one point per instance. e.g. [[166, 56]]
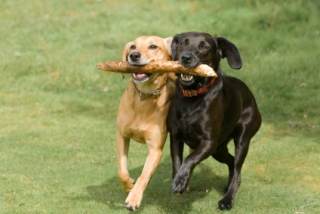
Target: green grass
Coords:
[[57, 111]]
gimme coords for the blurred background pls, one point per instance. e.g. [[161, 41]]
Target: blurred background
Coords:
[[58, 111]]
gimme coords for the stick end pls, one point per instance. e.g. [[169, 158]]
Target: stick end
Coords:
[[99, 66], [208, 70]]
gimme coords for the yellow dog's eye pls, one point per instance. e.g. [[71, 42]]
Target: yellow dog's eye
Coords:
[[153, 47], [132, 47]]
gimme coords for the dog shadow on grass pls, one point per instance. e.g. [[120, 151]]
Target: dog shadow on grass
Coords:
[[158, 194]]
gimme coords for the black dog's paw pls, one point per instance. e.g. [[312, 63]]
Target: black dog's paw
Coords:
[[225, 204], [179, 185], [180, 182]]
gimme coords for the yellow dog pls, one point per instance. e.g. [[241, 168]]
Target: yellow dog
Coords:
[[143, 112]]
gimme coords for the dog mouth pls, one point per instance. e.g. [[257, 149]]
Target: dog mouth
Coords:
[[140, 77], [186, 79]]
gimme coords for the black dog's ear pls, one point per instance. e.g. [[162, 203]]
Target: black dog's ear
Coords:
[[174, 46], [230, 51]]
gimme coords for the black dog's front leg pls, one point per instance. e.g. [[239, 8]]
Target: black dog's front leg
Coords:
[[176, 149], [203, 151]]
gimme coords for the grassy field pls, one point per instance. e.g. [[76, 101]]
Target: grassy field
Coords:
[[57, 111]]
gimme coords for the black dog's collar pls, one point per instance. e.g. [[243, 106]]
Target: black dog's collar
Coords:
[[193, 93]]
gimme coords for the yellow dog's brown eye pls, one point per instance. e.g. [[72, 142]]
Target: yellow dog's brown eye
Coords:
[[153, 47], [132, 47]]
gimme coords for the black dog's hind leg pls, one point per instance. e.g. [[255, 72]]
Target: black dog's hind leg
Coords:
[[242, 139], [223, 156]]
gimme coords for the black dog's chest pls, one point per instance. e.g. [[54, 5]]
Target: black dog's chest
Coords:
[[192, 126]]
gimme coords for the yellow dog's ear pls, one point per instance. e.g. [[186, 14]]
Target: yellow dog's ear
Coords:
[[125, 52], [167, 42]]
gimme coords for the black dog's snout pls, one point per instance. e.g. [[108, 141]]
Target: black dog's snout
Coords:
[[186, 58], [135, 56], [189, 59]]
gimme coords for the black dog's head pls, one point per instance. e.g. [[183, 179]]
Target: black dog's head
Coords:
[[193, 48]]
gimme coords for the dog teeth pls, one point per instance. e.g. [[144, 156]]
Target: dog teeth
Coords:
[[186, 77]]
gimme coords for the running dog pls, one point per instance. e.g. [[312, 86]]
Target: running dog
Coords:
[[143, 112], [208, 112]]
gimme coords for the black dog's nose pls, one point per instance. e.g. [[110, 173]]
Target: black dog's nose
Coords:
[[135, 56], [186, 58]]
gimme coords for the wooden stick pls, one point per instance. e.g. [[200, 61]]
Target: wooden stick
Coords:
[[157, 67]]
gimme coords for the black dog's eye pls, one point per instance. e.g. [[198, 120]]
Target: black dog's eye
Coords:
[[153, 47], [132, 47], [185, 42], [204, 48]]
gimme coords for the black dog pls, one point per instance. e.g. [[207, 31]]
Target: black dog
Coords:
[[207, 113]]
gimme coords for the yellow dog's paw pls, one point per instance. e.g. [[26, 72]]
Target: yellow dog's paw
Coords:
[[133, 200], [127, 185]]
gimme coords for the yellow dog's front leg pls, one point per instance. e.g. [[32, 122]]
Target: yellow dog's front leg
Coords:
[[123, 174], [135, 195]]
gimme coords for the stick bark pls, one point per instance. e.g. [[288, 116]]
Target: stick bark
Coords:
[[157, 67]]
